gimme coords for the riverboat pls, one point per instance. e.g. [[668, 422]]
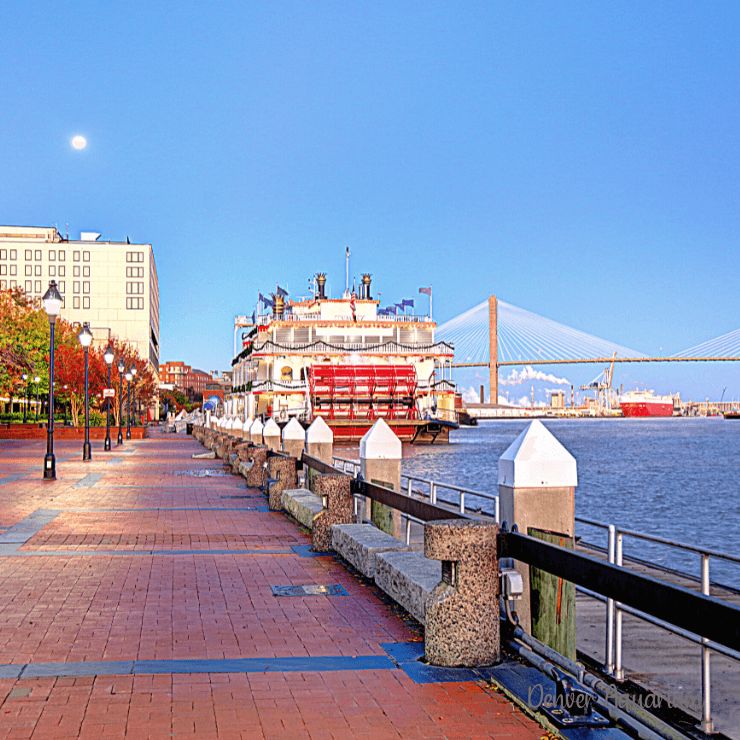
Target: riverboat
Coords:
[[645, 403], [348, 362]]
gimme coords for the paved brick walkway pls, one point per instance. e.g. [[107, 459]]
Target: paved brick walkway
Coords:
[[136, 602]]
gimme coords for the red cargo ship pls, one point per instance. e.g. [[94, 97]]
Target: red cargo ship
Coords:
[[645, 403]]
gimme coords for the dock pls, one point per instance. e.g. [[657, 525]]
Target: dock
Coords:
[[147, 594]]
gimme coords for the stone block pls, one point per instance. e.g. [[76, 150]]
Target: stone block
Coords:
[[283, 471], [359, 544], [334, 491], [302, 505], [257, 475], [462, 612], [408, 578]]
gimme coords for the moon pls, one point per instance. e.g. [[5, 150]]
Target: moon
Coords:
[[79, 142]]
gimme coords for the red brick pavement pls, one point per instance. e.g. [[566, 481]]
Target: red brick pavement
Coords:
[[60, 608]]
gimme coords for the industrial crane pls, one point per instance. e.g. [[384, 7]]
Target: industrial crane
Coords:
[[602, 384]]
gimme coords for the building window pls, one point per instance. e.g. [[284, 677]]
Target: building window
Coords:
[[134, 303], [62, 270], [13, 254], [76, 302], [76, 286], [86, 256], [29, 270], [52, 271], [85, 272], [37, 286], [85, 302], [3, 254], [29, 254], [13, 284], [37, 255], [134, 256], [3, 284], [76, 256], [86, 286], [52, 255], [37, 270], [3, 269], [62, 285], [14, 269], [61, 254], [76, 270], [28, 286]]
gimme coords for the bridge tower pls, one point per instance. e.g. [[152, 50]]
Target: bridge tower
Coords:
[[493, 347]]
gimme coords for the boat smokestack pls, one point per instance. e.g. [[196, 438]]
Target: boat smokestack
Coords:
[[279, 311], [321, 282], [365, 286]]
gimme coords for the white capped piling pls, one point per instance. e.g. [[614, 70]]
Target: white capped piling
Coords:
[[294, 438], [320, 440], [255, 432], [271, 434], [537, 477], [380, 462]]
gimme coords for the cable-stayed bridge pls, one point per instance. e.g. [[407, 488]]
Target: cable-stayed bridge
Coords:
[[494, 334]]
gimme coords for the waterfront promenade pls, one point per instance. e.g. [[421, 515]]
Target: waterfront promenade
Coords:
[[137, 601]]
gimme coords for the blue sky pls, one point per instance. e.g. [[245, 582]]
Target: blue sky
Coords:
[[579, 160]]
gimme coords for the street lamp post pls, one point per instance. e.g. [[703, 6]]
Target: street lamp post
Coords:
[[86, 337], [52, 304], [37, 380], [64, 403], [25, 405], [133, 394], [108, 357], [121, 368], [128, 404]]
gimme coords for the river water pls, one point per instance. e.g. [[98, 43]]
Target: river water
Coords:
[[674, 478]]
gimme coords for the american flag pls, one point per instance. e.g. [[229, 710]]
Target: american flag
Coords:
[[426, 291], [352, 305]]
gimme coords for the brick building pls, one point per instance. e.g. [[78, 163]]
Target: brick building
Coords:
[[186, 379]]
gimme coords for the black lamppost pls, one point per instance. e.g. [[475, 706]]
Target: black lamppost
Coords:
[[65, 407], [52, 304], [37, 380], [108, 357], [128, 404], [25, 405], [86, 337], [133, 394], [121, 368]]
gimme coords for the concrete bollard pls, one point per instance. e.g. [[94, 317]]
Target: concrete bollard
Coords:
[[236, 428], [380, 462], [337, 498], [245, 429], [271, 434], [255, 432], [294, 438], [462, 611], [537, 477], [282, 471]]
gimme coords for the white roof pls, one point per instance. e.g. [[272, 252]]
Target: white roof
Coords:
[[294, 430], [535, 459], [271, 429], [319, 432], [380, 443]]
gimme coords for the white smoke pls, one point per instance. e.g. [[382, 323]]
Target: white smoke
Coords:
[[470, 395], [517, 377]]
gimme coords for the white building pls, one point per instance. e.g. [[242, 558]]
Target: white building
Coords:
[[113, 285]]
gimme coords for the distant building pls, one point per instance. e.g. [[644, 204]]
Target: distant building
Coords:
[[557, 400], [113, 285], [190, 381]]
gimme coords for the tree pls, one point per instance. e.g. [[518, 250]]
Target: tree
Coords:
[[70, 372]]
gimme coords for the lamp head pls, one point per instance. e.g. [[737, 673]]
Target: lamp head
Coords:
[[109, 355], [128, 376], [37, 380], [85, 336], [121, 367], [24, 376], [52, 301], [133, 369]]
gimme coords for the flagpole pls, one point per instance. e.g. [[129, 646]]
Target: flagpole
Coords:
[[430, 301]]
